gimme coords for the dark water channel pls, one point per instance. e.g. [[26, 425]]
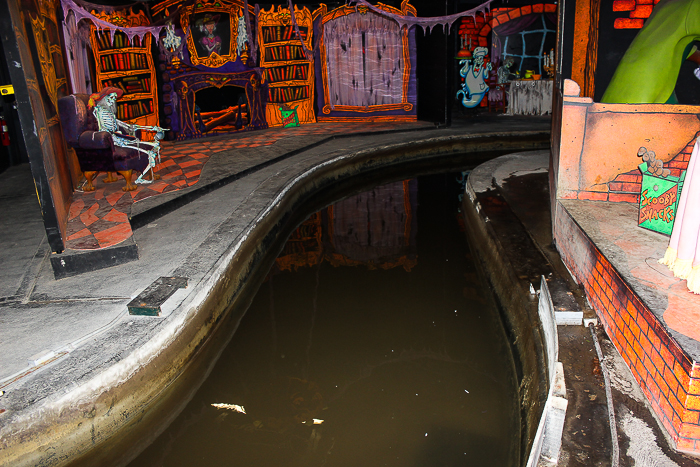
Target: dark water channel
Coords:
[[373, 342]]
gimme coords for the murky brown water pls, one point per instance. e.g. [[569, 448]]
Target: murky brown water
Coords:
[[372, 343]]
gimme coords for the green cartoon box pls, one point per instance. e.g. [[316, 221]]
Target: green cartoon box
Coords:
[[658, 199]]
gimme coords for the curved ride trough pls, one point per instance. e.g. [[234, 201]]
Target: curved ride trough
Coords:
[[153, 369]]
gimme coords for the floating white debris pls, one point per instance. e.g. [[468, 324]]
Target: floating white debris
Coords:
[[234, 407], [315, 421]]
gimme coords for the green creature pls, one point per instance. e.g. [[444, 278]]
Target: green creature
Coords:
[[648, 72]]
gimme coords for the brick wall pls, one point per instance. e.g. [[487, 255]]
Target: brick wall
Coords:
[[625, 188], [639, 11], [667, 376], [479, 27]]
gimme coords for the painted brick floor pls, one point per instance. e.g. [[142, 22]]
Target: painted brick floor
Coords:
[[100, 219]]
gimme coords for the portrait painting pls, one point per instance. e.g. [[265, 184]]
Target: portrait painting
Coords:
[[211, 33]]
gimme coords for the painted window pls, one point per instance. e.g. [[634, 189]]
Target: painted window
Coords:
[[529, 46]]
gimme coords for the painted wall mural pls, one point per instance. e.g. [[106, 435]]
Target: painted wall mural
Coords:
[[367, 64]]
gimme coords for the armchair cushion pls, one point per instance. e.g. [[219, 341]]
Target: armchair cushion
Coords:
[[95, 140]]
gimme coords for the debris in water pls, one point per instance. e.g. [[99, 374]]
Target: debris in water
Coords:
[[315, 421], [234, 407]]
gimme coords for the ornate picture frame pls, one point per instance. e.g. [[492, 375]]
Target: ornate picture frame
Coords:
[[211, 29]]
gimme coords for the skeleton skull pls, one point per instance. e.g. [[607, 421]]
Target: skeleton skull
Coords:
[[109, 102]]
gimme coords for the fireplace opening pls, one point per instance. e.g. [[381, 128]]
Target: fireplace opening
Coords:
[[221, 110]]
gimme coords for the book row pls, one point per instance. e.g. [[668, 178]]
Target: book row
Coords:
[[130, 110], [123, 62], [288, 94], [284, 52], [283, 33], [130, 84], [287, 73]]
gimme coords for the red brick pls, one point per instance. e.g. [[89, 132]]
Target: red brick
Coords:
[[623, 198], [608, 292], [676, 404], [690, 431], [666, 408], [665, 354], [550, 8], [616, 303], [643, 327], [526, 10], [538, 8], [680, 393], [630, 357], [681, 374], [669, 427], [653, 388], [635, 329], [629, 177], [683, 444], [656, 358], [676, 421], [624, 5], [646, 345], [693, 402], [632, 187], [691, 416], [694, 386], [515, 13], [628, 23], [649, 365], [642, 11]]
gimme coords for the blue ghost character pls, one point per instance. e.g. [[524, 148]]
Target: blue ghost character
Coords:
[[474, 87]]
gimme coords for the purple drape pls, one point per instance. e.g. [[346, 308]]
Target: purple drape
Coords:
[[514, 26]]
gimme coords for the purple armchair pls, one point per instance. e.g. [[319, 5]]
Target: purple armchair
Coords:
[[95, 150]]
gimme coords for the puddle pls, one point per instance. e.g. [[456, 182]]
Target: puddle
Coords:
[[371, 343]]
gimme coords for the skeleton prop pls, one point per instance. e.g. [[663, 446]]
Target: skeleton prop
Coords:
[[104, 108]]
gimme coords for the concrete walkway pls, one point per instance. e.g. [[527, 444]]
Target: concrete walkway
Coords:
[[75, 367]]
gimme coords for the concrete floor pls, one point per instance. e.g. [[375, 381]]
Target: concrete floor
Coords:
[[63, 342]]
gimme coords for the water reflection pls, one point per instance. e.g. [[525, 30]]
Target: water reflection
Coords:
[[400, 362], [376, 229]]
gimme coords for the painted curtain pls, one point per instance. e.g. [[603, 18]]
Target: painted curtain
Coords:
[[365, 60]]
